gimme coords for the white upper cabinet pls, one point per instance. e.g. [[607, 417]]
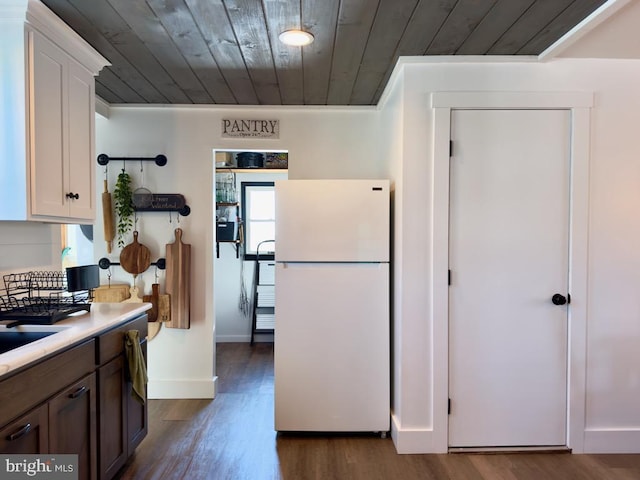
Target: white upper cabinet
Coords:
[[48, 158]]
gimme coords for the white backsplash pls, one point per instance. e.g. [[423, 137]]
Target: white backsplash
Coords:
[[26, 246]]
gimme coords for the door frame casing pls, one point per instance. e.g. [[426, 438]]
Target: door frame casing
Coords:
[[579, 104]]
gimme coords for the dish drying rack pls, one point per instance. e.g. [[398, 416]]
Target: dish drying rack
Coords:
[[40, 298]]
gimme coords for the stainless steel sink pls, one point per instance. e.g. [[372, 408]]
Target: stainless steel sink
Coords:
[[12, 338]]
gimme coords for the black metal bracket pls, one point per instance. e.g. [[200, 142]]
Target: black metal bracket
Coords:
[[160, 160], [104, 263]]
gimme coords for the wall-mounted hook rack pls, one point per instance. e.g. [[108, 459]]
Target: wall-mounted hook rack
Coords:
[[160, 160], [104, 263]]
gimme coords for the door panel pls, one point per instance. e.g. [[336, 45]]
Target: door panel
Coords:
[[332, 347], [509, 237], [332, 220]]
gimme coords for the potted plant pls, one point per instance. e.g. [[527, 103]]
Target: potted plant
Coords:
[[124, 205]]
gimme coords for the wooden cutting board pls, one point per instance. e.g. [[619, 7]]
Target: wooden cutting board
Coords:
[[135, 258], [178, 276], [134, 298], [114, 293], [152, 313], [164, 307]]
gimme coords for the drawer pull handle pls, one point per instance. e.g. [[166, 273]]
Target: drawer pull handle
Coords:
[[78, 392], [20, 433]]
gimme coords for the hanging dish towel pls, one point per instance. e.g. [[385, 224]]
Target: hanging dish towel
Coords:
[[137, 368]]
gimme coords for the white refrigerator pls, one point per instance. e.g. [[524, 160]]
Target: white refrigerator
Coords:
[[332, 352]]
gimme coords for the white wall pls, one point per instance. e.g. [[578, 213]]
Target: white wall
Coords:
[[29, 246], [613, 37], [391, 118], [322, 143], [613, 359]]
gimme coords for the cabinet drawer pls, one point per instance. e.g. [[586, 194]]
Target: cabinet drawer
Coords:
[[111, 343], [27, 435], [36, 384]]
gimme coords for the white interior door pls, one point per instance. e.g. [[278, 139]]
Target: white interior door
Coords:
[[508, 255]]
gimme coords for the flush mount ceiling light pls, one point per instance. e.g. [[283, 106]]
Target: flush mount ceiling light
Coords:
[[296, 38]]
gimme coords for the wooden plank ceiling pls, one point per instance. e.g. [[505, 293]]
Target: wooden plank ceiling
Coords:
[[227, 51]]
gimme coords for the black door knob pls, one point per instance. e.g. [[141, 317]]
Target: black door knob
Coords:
[[72, 195], [558, 299]]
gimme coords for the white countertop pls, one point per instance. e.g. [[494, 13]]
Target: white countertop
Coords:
[[69, 331]]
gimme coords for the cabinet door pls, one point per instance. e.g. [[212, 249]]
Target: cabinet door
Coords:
[[27, 435], [48, 121], [72, 425], [80, 138], [112, 417], [137, 414], [61, 134]]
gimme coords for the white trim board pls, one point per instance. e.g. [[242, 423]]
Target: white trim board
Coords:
[[158, 389], [579, 103], [411, 440], [611, 440]]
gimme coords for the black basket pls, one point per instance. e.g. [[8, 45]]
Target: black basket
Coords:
[[250, 160]]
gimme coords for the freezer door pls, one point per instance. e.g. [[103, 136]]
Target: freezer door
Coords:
[[332, 348], [332, 220]]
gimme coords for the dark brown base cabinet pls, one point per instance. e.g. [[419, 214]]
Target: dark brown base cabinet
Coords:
[[28, 434], [72, 424], [78, 402], [123, 420]]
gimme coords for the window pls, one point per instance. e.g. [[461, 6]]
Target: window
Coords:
[[258, 213]]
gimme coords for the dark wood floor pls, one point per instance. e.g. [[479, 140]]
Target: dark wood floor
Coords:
[[232, 438]]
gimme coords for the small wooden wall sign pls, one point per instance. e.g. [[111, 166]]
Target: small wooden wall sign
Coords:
[[233, 128], [164, 202]]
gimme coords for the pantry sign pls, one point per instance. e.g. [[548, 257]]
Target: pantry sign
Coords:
[[233, 128]]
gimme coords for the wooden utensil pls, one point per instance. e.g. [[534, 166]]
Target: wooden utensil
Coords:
[[107, 218], [152, 314], [178, 259], [135, 258]]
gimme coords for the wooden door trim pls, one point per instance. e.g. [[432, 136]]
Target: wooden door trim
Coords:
[[579, 103]]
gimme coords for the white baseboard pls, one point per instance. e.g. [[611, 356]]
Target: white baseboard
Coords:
[[412, 440], [612, 440], [171, 389]]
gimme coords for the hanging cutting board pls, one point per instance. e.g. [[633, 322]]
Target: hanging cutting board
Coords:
[[160, 305], [135, 258], [134, 298], [164, 308], [113, 293], [178, 260], [152, 313]]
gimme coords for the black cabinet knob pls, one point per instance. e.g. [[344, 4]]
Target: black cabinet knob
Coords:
[[559, 299], [73, 195]]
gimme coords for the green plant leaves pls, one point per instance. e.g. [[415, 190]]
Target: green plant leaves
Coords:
[[123, 196]]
